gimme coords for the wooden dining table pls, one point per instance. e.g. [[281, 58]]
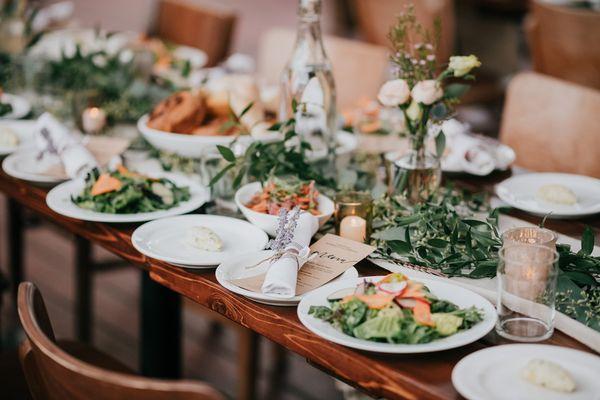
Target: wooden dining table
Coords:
[[406, 376]]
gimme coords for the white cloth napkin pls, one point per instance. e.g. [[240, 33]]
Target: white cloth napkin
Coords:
[[474, 154], [56, 143], [281, 277]]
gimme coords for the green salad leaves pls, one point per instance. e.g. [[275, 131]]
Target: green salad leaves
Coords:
[[125, 192], [411, 315]]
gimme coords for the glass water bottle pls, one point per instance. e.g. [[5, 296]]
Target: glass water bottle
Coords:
[[307, 79]]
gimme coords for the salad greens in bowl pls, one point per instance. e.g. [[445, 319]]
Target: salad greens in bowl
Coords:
[[126, 192], [396, 314]]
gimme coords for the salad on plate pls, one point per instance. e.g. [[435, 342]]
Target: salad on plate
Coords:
[[287, 194], [396, 310], [126, 192]]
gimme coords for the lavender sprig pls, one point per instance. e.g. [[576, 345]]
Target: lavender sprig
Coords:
[[286, 225], [50, 148]]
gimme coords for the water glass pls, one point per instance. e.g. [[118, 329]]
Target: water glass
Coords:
[[526, 276]]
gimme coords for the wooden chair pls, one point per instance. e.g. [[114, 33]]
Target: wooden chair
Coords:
[[552, 125], [209, 29], [375, 17], [70, 370], [564, 43], [359, 68]]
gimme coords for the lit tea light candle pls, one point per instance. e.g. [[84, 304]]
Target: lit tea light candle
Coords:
[[530, 235], [353, 215], [354, 227], [93, 119]]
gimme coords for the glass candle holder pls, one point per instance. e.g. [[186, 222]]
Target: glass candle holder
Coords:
[[530, 235], [353, 215], [526, 292]]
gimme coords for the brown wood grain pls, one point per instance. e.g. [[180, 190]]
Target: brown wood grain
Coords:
[[424, 376]]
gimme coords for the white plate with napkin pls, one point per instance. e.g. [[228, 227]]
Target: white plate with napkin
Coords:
[[56, 154], [237, 268], [280, 267]]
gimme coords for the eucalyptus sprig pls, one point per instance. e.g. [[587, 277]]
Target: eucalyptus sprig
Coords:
[[263, 160], [440, 234]]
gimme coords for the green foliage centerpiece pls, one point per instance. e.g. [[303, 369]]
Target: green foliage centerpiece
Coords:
[[425, 99]]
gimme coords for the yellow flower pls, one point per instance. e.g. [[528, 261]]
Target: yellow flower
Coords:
[[462, 65]]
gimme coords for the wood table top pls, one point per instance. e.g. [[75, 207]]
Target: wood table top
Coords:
[[420, 376]]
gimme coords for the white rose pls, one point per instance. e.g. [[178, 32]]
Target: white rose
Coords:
[[414, 112], [99, 60], [394, 93], [427, 92], [462, 65]]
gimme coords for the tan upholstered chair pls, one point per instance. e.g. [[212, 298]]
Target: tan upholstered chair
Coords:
[[552, 125], [56, 370], [209, 29], [359, 68], [375, 17], [564, 43]]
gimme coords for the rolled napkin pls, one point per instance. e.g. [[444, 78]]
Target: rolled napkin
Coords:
[[56, 144], [475, 154], [281, 277]]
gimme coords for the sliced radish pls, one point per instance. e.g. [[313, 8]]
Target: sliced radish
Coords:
[[394, 288], [406, 303]]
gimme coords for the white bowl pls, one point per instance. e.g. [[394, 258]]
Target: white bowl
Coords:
[[184, 145], [268, 223]]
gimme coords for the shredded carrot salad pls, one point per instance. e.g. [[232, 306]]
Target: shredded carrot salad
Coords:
[[278, 194]]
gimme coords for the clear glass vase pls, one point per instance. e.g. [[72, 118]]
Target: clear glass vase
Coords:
[[416, 175]]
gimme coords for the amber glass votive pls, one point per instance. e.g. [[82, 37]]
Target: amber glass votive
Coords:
[[530, 235], [354, 215]]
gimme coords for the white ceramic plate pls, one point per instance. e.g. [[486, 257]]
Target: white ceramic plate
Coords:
[[167, 239], [494, 373], [24, 165], [268, 223], [20, 105], [520, 191], [23, 129], [236, 268], [461, 297], [59, 201]]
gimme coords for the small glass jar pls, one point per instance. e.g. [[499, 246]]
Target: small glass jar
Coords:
[[527, 275], [530, 235], [354, 215]]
